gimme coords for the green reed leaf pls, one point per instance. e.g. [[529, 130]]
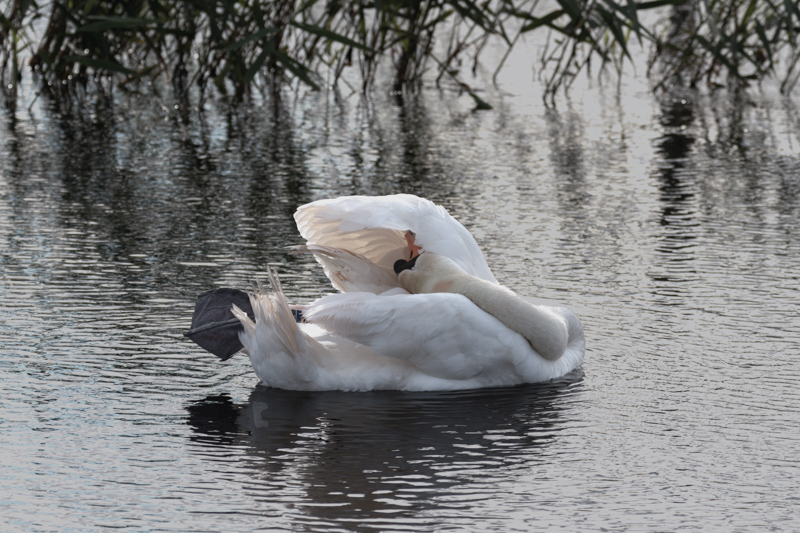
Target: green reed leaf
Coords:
[[630, 13], [765, 42], [260, 34], [296, 68], [99, 64], [89, 5], [331, 36], [572, 8], [751, 8], [269, 49], [441, 18], [717, 53], [547, 20], [791, 7], [657, 3], [614, 26], [472, 12], [480, 104], [308, 4], [110, 23]]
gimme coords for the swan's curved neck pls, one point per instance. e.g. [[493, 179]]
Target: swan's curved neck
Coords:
[[546, 331]]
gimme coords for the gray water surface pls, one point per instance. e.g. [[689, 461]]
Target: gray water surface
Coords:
[[670, 226]]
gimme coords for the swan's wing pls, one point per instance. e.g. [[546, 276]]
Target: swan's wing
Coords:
[[351, 272], [374, 227], [443, 334]]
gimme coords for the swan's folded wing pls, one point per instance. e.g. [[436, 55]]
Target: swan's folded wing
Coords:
[[374, 226], [443, 334], [351, 272]]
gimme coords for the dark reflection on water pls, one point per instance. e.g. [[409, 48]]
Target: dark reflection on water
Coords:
[[677, 187], [360, 458]]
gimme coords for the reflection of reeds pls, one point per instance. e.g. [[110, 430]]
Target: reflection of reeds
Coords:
[[238, 47]]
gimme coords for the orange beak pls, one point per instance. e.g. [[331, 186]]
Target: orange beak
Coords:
[[411, 246]]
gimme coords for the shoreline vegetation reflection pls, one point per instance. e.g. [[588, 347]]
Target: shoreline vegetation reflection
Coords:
[[246, 169]]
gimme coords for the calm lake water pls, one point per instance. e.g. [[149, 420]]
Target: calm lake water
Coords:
[[671, 226]]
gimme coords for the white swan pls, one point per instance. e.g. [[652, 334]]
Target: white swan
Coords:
[[444, 323]]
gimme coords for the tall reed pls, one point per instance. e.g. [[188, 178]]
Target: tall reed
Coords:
[[234, 47]]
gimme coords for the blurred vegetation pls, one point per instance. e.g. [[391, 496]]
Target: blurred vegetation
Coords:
[[237, 47]]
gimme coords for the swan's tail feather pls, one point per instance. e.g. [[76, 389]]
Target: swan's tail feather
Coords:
[[272, 315], [281, 314], [282, 355]]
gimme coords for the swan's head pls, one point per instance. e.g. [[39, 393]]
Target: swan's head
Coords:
[[410, 239], [414, 251]]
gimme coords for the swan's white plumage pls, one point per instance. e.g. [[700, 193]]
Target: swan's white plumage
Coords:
[[351, 272], [373, 226], [473, 346], [376, 335]]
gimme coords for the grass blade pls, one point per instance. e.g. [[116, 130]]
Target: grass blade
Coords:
[[749, 13], [267, 50], [441, 18], [480, 104], [472, 12], [634, 19]]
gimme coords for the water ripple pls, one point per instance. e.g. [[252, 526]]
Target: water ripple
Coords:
[[676, 248]]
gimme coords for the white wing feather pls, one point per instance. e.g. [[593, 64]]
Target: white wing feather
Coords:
[[443, 334], [351, 272], [374, 227]]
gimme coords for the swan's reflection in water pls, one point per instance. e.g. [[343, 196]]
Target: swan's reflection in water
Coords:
[[369, 458]]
